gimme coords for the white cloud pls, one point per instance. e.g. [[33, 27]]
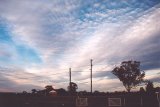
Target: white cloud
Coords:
[[62, 40]]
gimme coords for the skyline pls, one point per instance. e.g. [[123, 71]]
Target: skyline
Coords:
[[40, 41]]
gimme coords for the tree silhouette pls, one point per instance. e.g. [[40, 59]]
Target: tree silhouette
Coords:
[[34, 91], [60, 91], [141, 90], [129, 73], [72, 87], [48, 89], [24, 92], [45, 91], [150, 87]]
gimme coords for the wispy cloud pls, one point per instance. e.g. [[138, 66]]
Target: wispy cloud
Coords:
[[46, 38]]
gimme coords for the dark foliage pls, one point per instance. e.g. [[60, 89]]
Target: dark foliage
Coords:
[[61, 92], [72, 87], [142, 90], [150, 87], [129, 73], [34, 91]]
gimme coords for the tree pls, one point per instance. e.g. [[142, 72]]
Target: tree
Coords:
[[129, 73], [96, 92], [72, 87], [150, 87], [45, 91], [141, 90], [24, 92], [34, 91], [48, 89], [60, 91]]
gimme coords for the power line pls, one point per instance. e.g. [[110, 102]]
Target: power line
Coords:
[[33, 75]]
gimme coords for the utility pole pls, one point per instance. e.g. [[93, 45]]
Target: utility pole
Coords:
[[69, 78], [91, 75]]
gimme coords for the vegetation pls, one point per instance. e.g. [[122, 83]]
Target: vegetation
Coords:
[[150, 87], [129, 73], [72, 87]]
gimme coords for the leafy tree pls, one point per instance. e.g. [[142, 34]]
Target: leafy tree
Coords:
[[97, 92], [45, 91], [49, 88], [34, 91], [141, 90], [129, 73], [24, 92], [72, 87], [150, 87], [61, 91]]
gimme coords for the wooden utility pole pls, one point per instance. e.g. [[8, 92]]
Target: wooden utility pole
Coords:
[[91, 75], [70, 78]]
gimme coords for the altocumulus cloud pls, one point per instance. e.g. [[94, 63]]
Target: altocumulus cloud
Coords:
[[40, 40]]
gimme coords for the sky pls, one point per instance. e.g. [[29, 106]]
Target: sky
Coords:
[[41, 39]]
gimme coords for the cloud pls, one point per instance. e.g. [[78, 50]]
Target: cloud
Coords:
[[16, 82], [18, 77], [49, 37]]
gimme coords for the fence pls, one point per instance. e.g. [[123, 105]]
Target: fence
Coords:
[[110, 100]]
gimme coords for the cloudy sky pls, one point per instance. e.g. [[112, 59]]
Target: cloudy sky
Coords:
[[41, 39]]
